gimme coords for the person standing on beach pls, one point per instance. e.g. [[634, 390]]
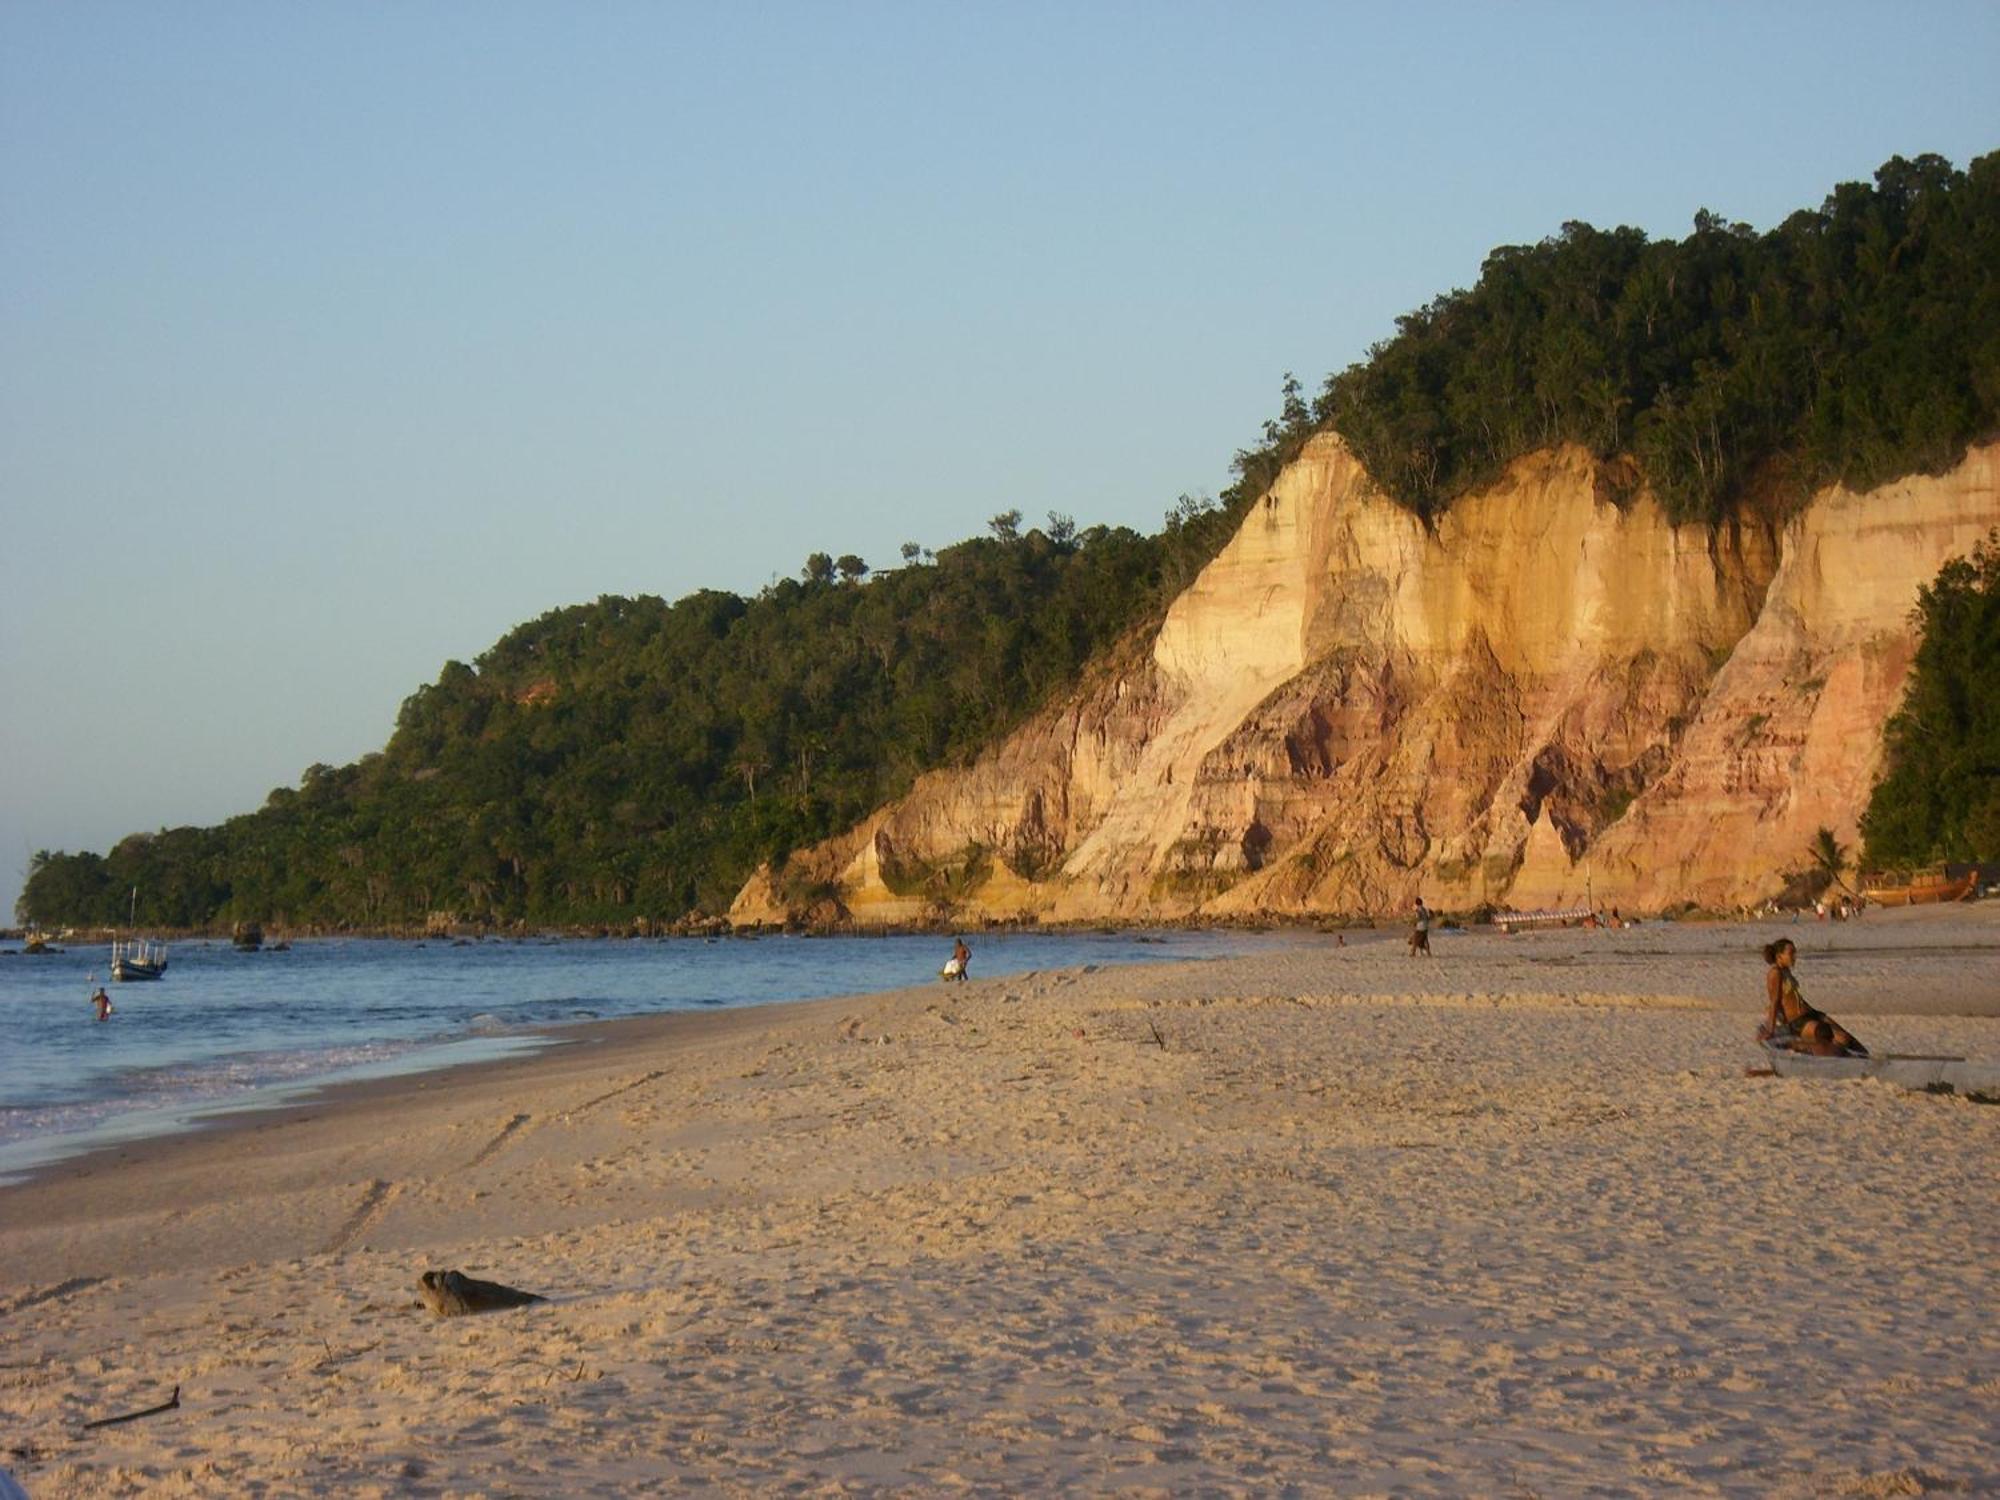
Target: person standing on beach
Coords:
[[1420, 934], [959, 962]]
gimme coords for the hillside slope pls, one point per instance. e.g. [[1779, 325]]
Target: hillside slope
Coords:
[[1552, 693]]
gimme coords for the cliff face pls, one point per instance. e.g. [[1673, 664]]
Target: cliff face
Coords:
[[1556, 695]]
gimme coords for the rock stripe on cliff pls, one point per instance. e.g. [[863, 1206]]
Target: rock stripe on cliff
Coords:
[[1555, 695]]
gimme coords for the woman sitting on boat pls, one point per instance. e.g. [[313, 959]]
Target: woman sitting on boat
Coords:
[[1789, 1020]]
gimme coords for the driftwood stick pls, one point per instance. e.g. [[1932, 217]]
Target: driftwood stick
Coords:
[[1156, 1035], [333, 1361], [172, 1403]]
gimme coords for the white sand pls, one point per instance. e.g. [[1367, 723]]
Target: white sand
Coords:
[[1513, 1223]]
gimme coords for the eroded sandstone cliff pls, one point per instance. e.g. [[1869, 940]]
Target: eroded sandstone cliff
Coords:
[[1554, 695]]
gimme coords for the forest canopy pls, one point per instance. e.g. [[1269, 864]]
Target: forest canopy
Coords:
[[635, 759], [1856, 342]]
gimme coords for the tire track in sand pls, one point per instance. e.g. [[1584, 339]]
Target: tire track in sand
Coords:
[[374, 1203], [48, 1294], [487, 1151], [624, 1088]]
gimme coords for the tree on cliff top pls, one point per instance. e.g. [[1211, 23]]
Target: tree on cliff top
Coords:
[[1939, 796], [1857, 342]]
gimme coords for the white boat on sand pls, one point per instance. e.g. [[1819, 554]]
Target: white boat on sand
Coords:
[[1935, 1073]]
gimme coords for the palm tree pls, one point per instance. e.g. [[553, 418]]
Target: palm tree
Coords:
[[1829, 856]]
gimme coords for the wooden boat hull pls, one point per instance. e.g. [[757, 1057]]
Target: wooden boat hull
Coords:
[[128, 969], [1921, 892]]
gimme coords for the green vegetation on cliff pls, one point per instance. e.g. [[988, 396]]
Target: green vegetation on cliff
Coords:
[[631, 758], [1857, 342], [1939, 796]]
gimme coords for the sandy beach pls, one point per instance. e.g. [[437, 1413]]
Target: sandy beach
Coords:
[[1329, 1220]]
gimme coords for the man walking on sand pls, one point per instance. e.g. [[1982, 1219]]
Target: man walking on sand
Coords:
[[1420, 933]]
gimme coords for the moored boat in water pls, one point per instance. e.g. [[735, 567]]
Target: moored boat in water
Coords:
[[139, 958]]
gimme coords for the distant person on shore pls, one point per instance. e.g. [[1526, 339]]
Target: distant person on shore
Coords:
[[960, 961], [1787, 1016], [1420, 931], [102, 1003]]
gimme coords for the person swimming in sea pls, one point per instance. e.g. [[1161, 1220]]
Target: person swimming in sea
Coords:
[[102, 1004], [1788, 1016]]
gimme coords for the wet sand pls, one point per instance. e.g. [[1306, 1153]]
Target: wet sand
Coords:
[[1513, 1221]]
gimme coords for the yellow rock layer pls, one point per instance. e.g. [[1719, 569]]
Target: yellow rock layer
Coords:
[[1556, 695]]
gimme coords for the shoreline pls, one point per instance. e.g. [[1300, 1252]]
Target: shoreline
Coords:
[[1848, 939], [55, 1193], [307, 1070], [639, 929], [1319, 1217], [645, 929], [213, 1139], [555, 1050]]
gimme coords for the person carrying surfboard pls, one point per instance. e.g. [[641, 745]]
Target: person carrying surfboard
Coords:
[[958, 963]]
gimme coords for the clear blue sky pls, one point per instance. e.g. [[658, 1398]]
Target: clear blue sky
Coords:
[[337, 339]]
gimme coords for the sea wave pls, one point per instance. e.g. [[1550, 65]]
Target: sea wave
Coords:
[[188, 1086]]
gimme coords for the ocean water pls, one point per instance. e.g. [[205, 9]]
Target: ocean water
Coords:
[[227, 1030]]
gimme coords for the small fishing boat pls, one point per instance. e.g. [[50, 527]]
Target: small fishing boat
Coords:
[[139, 958], [1937, 884], [1937, 1073]]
